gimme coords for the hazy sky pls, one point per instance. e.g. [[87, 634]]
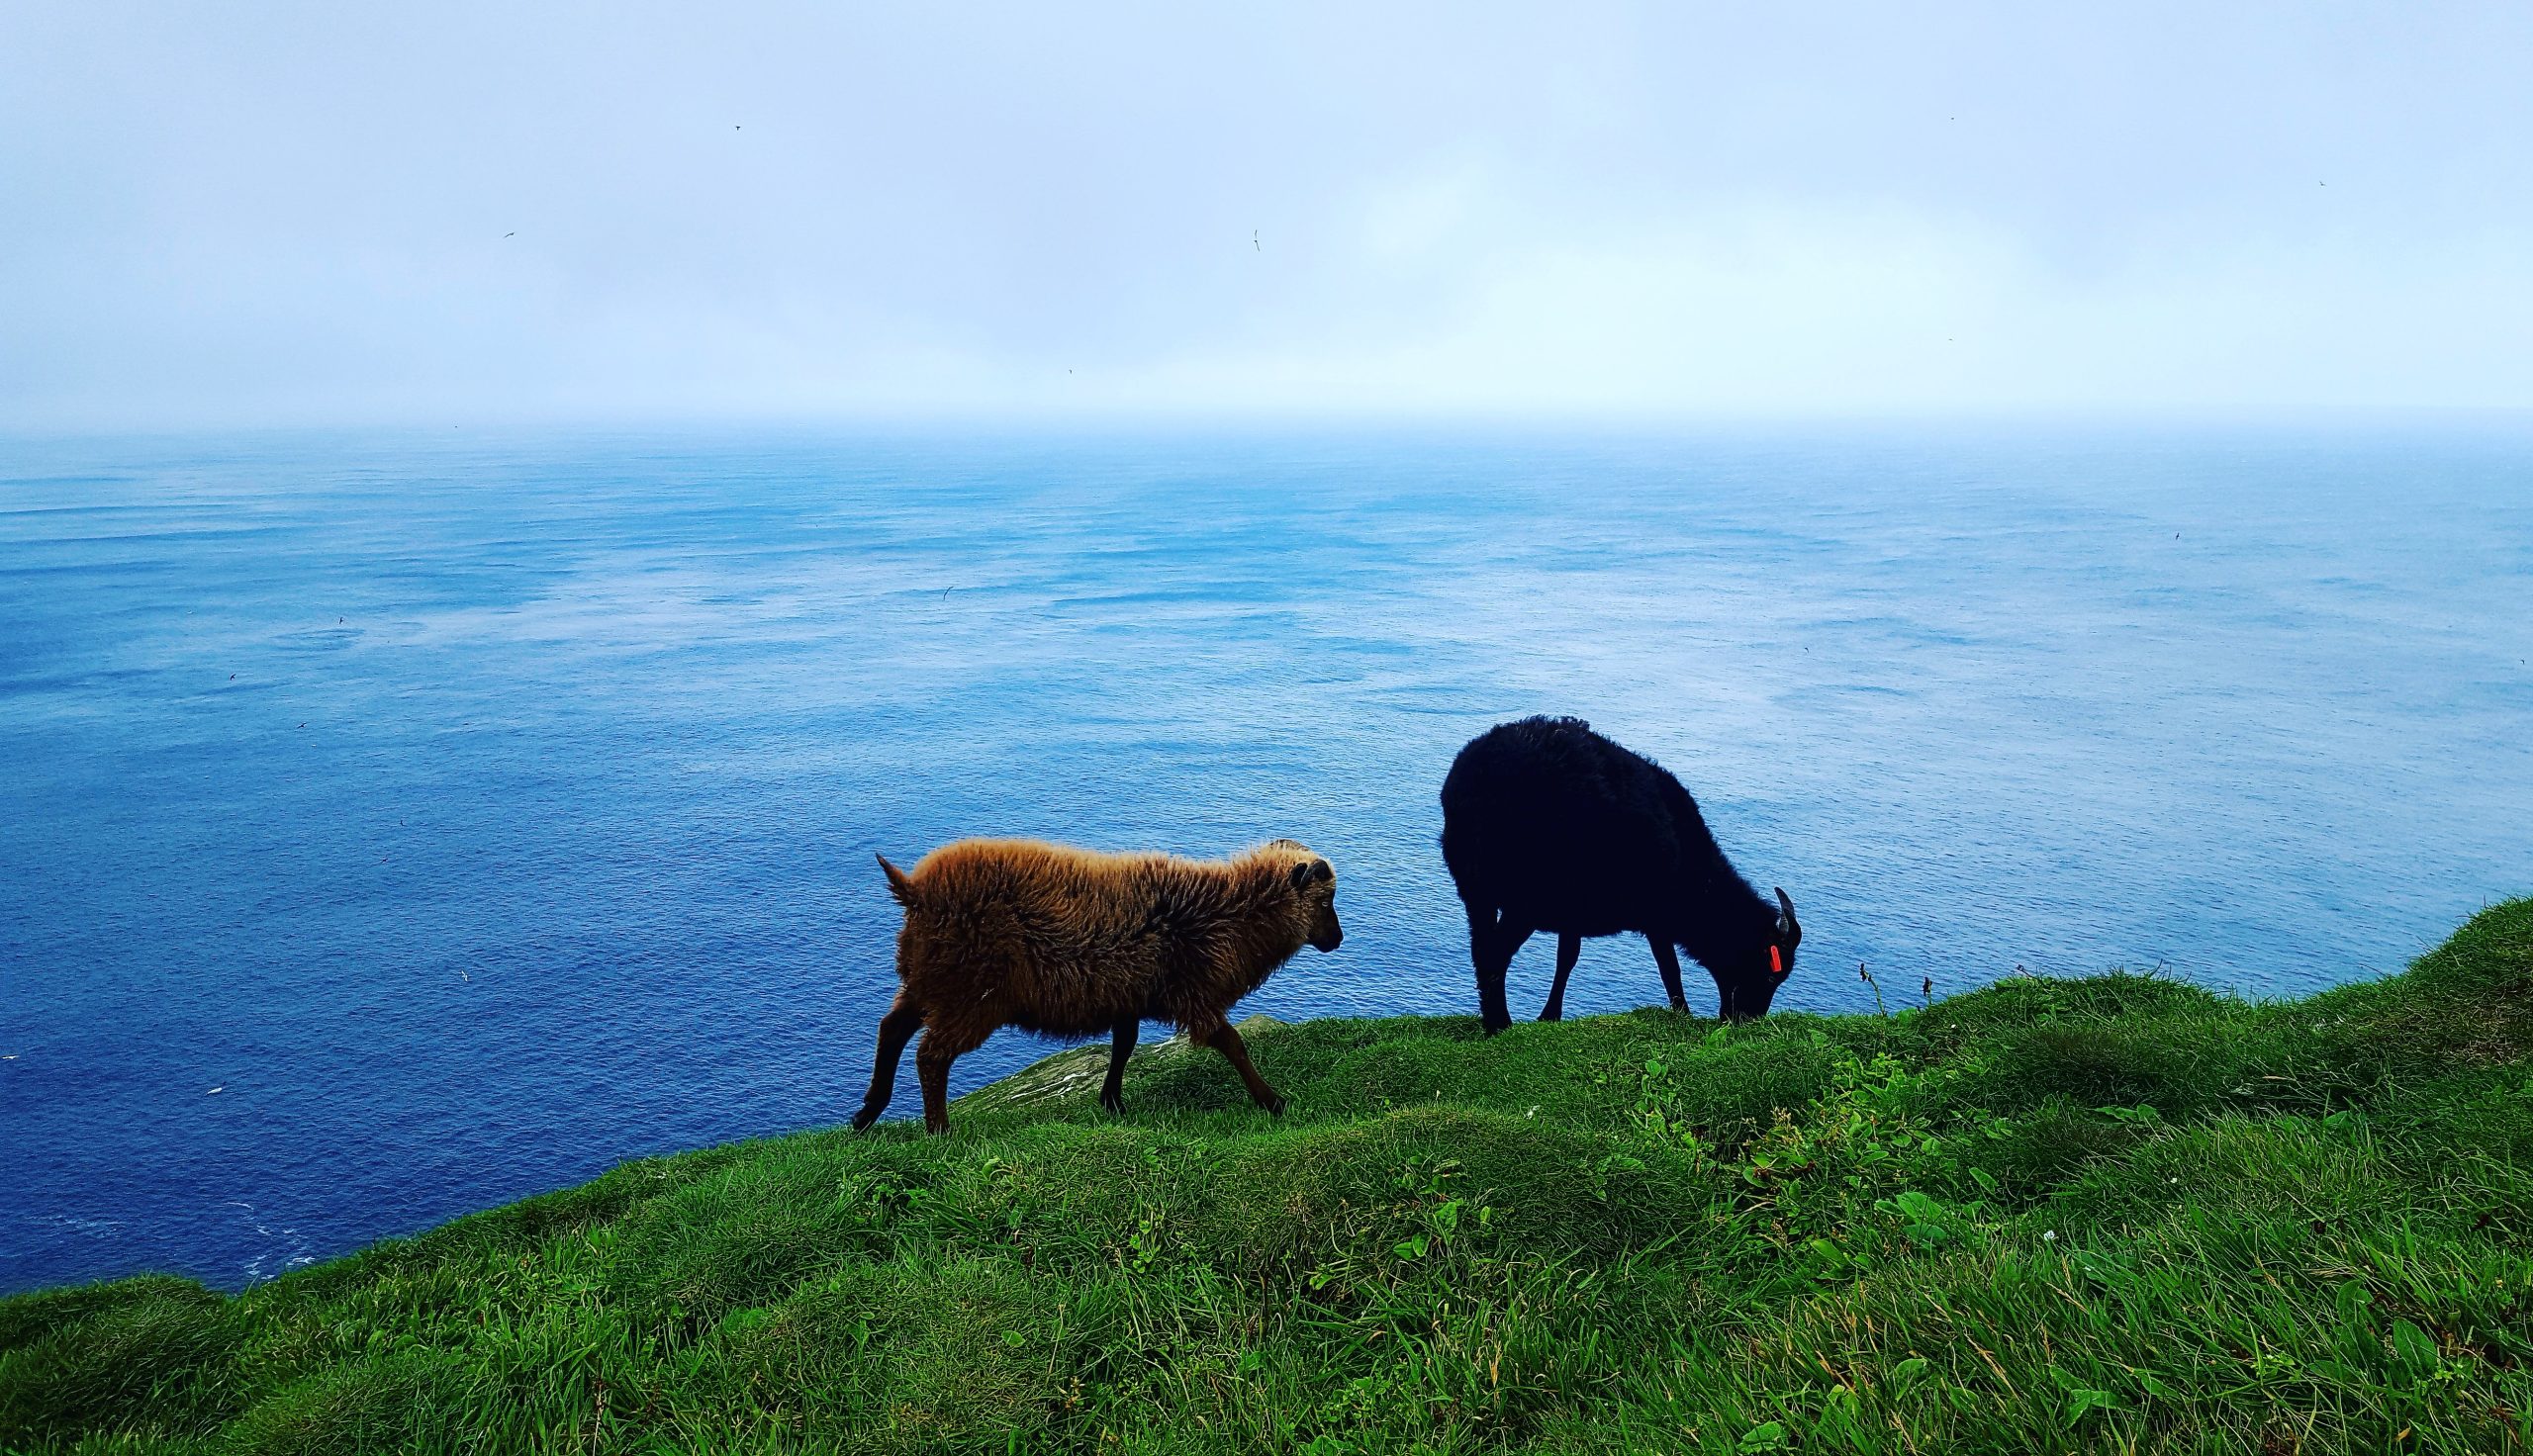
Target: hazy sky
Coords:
[[263, 213]]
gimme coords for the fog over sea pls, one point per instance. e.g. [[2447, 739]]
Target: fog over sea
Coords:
[[391, 826]]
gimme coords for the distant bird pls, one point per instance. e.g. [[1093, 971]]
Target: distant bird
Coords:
[[506, 235], [233, 676], [221, 1088], [1252, 240]]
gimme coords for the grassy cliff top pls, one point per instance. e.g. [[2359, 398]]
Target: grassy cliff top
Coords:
[[2105, 1214]]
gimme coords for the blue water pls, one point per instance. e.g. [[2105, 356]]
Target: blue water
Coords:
[[398, 826]]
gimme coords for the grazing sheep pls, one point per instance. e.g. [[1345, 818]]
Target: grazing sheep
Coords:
[[1072, 943], [1547, 825]]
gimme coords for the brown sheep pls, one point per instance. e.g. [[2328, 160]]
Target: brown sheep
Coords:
[[1072, 943]]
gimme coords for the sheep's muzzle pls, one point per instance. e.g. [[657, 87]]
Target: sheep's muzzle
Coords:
[[1327, 934]]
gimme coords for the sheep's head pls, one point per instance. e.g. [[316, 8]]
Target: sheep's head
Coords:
[[1745, 990], [1314, 883]]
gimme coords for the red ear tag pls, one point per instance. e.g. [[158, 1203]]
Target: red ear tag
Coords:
[[1776, 961]]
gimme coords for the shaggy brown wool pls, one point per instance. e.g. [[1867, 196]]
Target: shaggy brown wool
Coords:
[[1071, 942]]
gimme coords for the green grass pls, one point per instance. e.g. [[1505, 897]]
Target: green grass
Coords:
[[2108, 1213]]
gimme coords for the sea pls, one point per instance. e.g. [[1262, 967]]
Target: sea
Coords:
[[396, 824]]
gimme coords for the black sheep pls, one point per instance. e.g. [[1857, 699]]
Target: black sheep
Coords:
[[1547, 825]]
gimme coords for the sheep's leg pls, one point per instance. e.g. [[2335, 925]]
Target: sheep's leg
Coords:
[[895, 1028], [1570, 948], [932, 1058], [1490, 951], [1670, 960], [1121, 1046], [1227, 1041]]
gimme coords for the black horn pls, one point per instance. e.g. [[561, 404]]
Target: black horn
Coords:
[[1786, 928]]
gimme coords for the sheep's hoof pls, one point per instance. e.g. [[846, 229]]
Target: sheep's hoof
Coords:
[[1274, 1106], [1112, 1102], [863, 1120]]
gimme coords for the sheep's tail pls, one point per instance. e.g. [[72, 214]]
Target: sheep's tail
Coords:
[[899, 886]]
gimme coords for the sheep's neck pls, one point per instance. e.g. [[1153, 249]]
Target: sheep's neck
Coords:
[[1237, 935], [1723, 922]]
